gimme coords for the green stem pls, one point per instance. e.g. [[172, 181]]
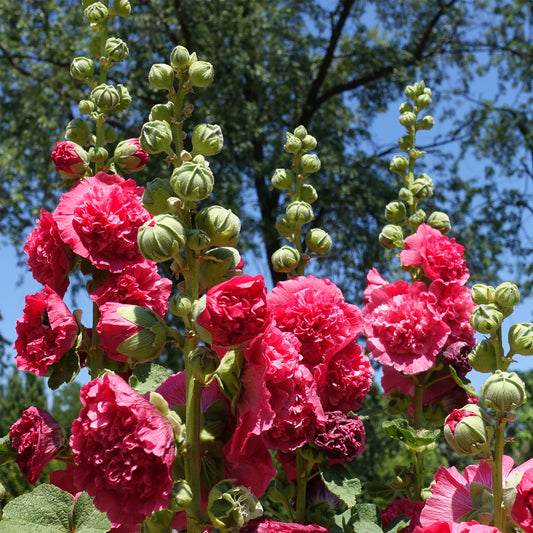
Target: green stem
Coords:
[[497, 480], [301, 486], [177, 125]]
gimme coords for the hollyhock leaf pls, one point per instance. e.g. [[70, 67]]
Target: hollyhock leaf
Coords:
[[65, 370], [86, 518], [7, 452], [397, 524], [400, 430], [340, 480], [368, 512], [148, 377], [228, 373], [464, 384], [365, 526]]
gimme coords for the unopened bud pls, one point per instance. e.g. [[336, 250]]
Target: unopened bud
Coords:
[[155, 196], [156, 136], [391, 236], [309, 143], [310, 163], [405, 195], [299, 212], [417, 218], [286, 227], [162, 112], [404, 143], [116, 49], [129, 156], [106, 97], [218, 264], [198, 240], [207, 139], [300, 132], [468, 430], [407, 119], [425, 123], [181, 496], [422, 101], [507, 294], [483, 294], [318, 241], [96, 13], [405, 107], [77, 131], [504, 391], [399, 164], [82, 68], [161, 238], [180, 304], [396, 212], [203, 361], [179, 58], [285, 259], [201, 74], [86, 107], [521, 338], [221, 225], [283, 179], [422, 187], [308, 193], [161, 76], [192, 182], [293, 145], [122, 7], [486, 318], [124, 98], [97, 154], [439, 221], [483, 357]]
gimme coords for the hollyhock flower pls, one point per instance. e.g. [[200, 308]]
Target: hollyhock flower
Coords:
[[48, 256], [123, 451], [99, 219], [440, 257], [522, 511], [138, 284], [315, 311], [235, 311], [45, 333], [267, 525], [406, 507], [70, 159], [451, 527], [374, 280], [37, 438], [456, 355], [404, 327], [343, 436], [129, 156]]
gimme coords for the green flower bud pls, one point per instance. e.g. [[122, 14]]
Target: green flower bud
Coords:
[[483, 294], [161, 238], [155, 196], [125, 98], [203, 361], [293, 144], [309, 143], [87, 3], [286, 227], [299, 212], [86, 107], [396, 212], [77, 131], [407, 119], [300, 132], [318, 241], [180, 304], [161, 76], [406, 107], [422, 101], [106, 97], [116, 49], [483, 358], [179, 58], [122, 7], [308, 193], [156, 137], [282, 179], [468, 430], [96, 13], [285, 259], [222, 225], [162, 112], [198, 240], [181, 496], [405, 195], [192, 182], [310, 163], [207, 139], [504, 391], [82, 68], [486, 318], [425, 123], [399, 164], [521, 338], [391, 236], [506, 295], [201, 74], [439, 221], [418, 218], [218, 265], [404, 143], [422, 187], [97, 154]]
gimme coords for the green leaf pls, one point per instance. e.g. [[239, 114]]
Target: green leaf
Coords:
[[340, 480], [462, 382], [86, 518], [400, 429], [365, 526], [368, 511], [7, 452], [147, 377], [397, 524], [65, 370]]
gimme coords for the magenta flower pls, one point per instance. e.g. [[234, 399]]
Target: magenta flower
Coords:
[[99, 219], [439, 256], [267, 525], [451, 527], [129, 156], [123, 450], [406, 507], [70, 159], [37, 438], [522, 511], [45, 333]]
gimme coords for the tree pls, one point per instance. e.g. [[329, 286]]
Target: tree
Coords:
[[332, 67]]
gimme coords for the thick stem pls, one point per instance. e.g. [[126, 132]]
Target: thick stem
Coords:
[[301, 486]]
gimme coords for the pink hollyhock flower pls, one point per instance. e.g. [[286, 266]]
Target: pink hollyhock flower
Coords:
[[440, 257], [45, 333], [343, 436], [267, 525], [99, 219], [522, 511], [315, 311], [344, 380], [48, 256], [129, 156], [70, 159], [406, 507], [37, 438], [123, 451], [374, 281], [451, 527], [138, 284], [404, 327], [235, 311]]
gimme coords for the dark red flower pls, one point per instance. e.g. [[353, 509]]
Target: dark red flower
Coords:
[[343, 436]]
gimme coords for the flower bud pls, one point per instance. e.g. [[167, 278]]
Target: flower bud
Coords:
[[162, 112], [299, 212], [507, 294], [198, 240], [468, 430], [417, 218], [221, 225], [97, 154], [405, 195], [156, 136], [82, 68], [521, 338], [129, 156], [70, 160], [180, 304], [181, 496], [407, 119], [396, 212], [308, 193], [203, 361], [310, 163], [161, 76], [155, 196], [300, 132], [77, 131], [318, 241], [439, 221], [293, 145], [425, 123], [399, 164], [285, 259], [192, 182], [283, 179], [486, 318], [106, 97], [422, 187], [201, 74], [179, 58], [161, 238], [404, 142], [124, 98], [309, 143], [207, 139], [391, 236], [483, 357], [504, 391], [122, 7], [86, 107], [422, 101], [219, 264], [96, 13], [87, 3], [483, 294], [286, 227], [116, 49]]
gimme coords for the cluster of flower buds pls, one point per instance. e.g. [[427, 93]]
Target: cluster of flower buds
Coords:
[[405, 211], [469, 430], [298, 211]]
